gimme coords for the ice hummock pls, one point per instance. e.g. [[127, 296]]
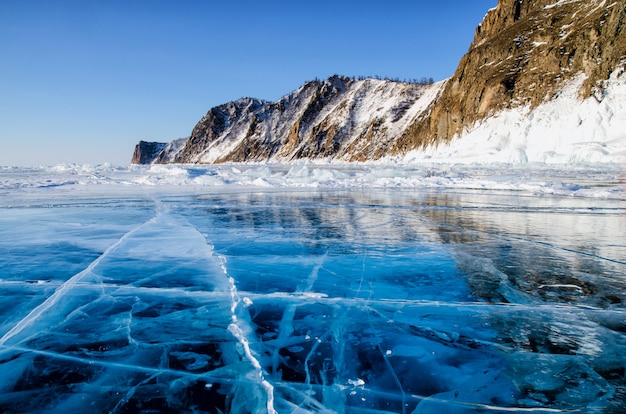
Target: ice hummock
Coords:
[[598, 180]]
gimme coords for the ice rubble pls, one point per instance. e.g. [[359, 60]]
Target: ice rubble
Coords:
[[599, 180]]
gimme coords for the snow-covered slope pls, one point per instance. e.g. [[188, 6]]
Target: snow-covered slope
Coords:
[[566, 129], [171, 151], [339, 118]]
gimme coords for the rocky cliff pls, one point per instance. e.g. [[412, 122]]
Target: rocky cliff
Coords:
[[157, 152], [146, 152], [524, 53]]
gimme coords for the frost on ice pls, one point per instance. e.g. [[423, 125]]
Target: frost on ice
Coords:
[[174, 297]]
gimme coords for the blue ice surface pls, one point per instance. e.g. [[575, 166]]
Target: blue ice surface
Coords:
[[360, 301]]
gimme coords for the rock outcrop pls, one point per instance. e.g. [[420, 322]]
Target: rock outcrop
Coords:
[[523, 53], [146, 152]]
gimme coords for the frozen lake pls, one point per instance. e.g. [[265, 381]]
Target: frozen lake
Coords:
[[295, 289]]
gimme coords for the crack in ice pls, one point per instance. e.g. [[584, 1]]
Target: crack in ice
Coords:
[[72, 282], [235, 329], [215, 375]]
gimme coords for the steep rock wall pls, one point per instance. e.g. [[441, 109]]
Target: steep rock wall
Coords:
[[523, 53], [146, 152]]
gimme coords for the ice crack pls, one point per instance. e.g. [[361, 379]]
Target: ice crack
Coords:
[[236, 328], [67, 286]]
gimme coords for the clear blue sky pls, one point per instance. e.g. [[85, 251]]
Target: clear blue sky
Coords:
[[83, 81]]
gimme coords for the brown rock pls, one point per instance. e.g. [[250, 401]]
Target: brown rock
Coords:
[[522, 54]]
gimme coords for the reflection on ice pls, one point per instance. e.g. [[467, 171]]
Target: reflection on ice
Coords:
[[346, 301]]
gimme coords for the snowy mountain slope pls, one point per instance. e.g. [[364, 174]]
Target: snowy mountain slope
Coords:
[[340, 118], [171, 151]]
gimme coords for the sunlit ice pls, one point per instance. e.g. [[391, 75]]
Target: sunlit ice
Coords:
[[312, 288]]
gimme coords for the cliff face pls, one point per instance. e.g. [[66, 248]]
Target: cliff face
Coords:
[[146, 152], [157, 152], [340, 118], [523, 53]]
